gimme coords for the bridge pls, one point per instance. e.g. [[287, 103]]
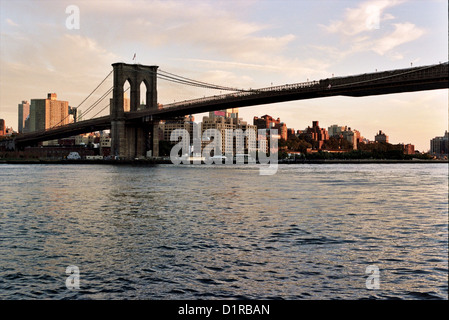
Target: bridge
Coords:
[[130, 131]]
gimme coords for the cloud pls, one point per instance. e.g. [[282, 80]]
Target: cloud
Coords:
[[366, 17], [70, 65], [403, 32], [211, 32], [358, 26], [11, 23], [72, 62], [205, 26], [66, 54]]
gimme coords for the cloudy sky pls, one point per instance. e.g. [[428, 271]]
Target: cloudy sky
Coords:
[[245, 44]]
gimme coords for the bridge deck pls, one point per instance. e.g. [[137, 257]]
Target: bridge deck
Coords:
[[395, 81]]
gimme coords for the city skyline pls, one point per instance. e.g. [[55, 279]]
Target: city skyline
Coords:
[[245, 44]]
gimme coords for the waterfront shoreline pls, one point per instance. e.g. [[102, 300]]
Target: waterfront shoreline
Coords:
[[160, 161]]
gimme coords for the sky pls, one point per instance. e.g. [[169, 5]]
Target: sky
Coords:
[[67, 47]]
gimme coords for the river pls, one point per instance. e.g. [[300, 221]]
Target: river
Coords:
[[310, 231]]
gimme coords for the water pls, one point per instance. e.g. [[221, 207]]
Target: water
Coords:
[[204, 232]]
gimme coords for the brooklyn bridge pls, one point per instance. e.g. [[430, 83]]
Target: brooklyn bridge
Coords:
[[132, 131]]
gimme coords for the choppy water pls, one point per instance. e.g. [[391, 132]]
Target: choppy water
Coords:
[[203, 232]]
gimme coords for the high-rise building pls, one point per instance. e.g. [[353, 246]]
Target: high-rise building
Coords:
[[231, 121], [282, 130], [381, 137], [232, 113], [439, 146], [73, 114], [126, 103], [168, 126], [24, 113], [250, 137], [227, 113], [335, 130], [345, 132], [48, 113], [352, 136], [358, 136], [220, 123]]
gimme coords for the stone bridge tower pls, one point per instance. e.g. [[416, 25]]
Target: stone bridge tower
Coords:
[[130, 140]]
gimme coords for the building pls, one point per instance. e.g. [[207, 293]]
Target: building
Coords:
[[105, 145], [291, 133], [219, 120], [381, 137], [57, 152], [345, 132], [168, 126], [317, 135], [126, 103], [335, 130], [282, 130], [228, 120], [67, 142], [358, 136], [232, 113], [48, 113], [268, 122], [2, 127], [439, 145], [24, 113], [88, 139], [352, 136], [79, 115], [73, 114], [409, 148], [250, 138]]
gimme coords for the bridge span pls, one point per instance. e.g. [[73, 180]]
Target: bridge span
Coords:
[[368, 84], [377, 83]]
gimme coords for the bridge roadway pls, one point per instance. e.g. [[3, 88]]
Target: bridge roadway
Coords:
[[395, 81]]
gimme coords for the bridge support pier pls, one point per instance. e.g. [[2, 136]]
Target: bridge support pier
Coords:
[[129, 139], [155, 138], [117, 137]]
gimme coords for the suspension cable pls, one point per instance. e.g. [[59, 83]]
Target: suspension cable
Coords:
[[196, 82], [95, 89], [164, 75], [98, 101], [56, 125], [105, 107]]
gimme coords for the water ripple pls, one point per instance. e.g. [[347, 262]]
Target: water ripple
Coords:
[[169, 232]]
